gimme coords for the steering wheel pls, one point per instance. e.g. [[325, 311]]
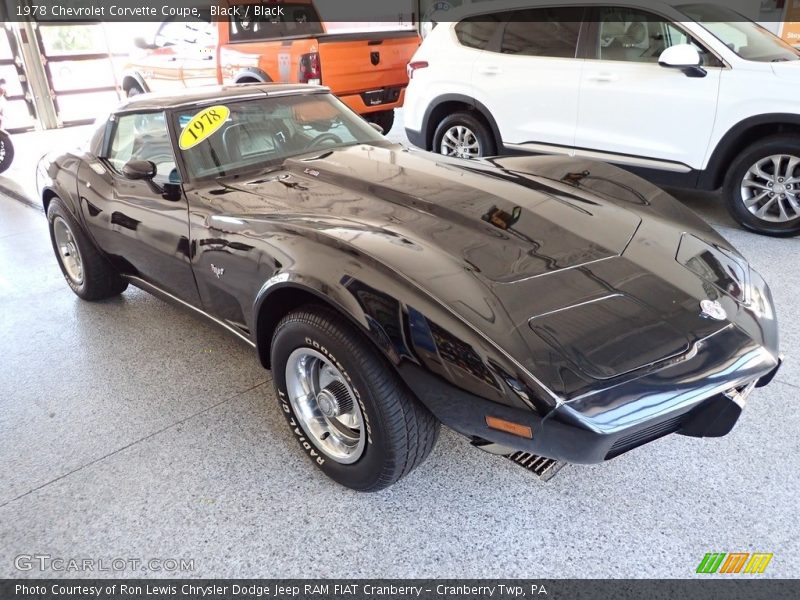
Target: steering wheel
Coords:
[[325, 137]]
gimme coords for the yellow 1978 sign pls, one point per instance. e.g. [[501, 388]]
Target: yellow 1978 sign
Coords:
[[202, 125]]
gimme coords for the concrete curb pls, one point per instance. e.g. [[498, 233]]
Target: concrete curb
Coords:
[[19, 197]]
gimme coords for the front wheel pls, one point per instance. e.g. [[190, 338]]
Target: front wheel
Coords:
[[762, 190], [351, 414], [463, 136]]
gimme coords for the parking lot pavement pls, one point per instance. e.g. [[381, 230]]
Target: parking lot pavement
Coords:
[[132, 429]]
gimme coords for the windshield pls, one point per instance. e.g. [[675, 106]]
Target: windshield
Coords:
[[241, 136], [747, 39]]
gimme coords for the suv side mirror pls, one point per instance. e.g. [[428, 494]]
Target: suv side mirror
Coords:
[[684, 57], [139, 169]]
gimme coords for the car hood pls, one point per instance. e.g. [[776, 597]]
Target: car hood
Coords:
[[535, 253], [499, 226]]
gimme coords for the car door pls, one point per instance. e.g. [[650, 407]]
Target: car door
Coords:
[[142, 225], [633, 110], [530, 75]]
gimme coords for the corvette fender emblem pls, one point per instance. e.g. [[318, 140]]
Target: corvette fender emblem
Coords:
[[218, 271], [713, 310]]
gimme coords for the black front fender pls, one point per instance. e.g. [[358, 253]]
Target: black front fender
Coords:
[[413, 332]]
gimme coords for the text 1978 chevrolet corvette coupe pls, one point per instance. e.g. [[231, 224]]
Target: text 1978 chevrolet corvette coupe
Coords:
[[551, 310]]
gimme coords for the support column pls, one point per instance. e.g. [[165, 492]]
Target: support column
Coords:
[[37, 79]]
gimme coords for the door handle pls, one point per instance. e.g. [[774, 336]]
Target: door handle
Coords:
[[490, 70], [604, 78]]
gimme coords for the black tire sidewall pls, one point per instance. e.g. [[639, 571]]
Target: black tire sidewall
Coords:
[[57, 209], [365, 473], [8, 158], [481, 131], [732, 189]]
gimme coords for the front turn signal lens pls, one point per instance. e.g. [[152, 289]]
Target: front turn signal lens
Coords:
[[509, 427]]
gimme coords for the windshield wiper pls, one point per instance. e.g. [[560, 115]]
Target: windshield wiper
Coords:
[[247, 173]]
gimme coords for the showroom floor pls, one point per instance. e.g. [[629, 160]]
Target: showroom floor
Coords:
[[132, 429]]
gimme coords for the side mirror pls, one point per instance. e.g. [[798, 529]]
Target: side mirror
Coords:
[[142, 43], [145, 170], [377, 128], [139, 169], [684, 57]]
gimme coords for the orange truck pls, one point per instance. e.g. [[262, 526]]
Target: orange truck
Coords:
[[284, 42]]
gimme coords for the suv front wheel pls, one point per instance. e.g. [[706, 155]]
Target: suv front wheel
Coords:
[[762, 190], [463, 136]]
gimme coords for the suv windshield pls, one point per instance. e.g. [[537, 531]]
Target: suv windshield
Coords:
[[747, 39], [244, 136]]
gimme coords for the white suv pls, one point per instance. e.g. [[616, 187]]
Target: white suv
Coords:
[[692, 95]]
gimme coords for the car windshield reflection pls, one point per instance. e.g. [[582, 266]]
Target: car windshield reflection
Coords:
[[245, 136]]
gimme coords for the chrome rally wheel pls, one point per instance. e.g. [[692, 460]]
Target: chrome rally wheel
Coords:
[[87, 272], [325, 405], [68, 252]]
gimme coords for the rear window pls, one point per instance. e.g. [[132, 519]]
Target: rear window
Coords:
[[551, 32], [476, 32], [253, 22]]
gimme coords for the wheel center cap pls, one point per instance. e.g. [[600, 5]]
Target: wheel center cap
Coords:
[[328, 405], [780, 188]]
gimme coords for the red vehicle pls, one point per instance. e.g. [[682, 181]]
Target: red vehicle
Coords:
[[366, 70]]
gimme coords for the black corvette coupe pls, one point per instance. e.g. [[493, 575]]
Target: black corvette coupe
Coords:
[[551, 310]]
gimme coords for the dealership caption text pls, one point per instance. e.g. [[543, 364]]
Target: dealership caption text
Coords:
[[276, 591], [42, 11]]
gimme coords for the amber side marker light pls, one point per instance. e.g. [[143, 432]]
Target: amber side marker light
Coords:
[[509, 427]]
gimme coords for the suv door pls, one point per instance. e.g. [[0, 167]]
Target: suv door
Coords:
[[529, 76], [629, 105], [144, 231]]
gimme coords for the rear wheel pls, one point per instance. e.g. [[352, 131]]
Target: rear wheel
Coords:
[[762, 190], [384, 118], [462, 135], [87, 271], [348, 410], [134, 90]]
